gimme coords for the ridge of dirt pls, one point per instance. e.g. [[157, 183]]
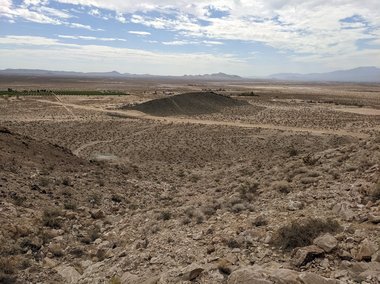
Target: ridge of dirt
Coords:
[[187, 104]]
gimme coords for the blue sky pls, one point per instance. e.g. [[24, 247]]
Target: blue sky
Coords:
[[245, 37]]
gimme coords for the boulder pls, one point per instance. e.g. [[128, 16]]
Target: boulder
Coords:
[[68, 273], [285, 276], [326, 242], [247, 276], [306, 254], [344, 211], [312, 278], [366, 250]]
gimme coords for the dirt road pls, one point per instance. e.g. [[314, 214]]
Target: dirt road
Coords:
[[140, 115]]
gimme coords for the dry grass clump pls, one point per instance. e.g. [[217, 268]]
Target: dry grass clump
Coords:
[[70, 205], [248, 190], [52, 218], [165, 215], [301, 233], [282, 187], [7, 270]]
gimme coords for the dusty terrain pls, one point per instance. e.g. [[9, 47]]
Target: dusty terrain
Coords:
[[283, 188]]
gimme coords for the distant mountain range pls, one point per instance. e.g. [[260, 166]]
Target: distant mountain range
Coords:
[[113, 74], [360, 74]]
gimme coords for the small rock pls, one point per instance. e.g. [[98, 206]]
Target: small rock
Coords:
[[197, 236], [306, 254], [155, 260], [375, 219], [50, 263], [326, 242], [366, 250], [191, 272], [376, 257], [97, 214], [295, 205]]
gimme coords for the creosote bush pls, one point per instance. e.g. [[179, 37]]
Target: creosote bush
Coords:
[[52, 218], [301, 233], [282, 186], [165, 215], [375, 192]]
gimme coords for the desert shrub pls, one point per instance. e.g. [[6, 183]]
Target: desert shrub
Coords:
[[260, 221], [165, 215], [199, 217], [95, 199], [92, 234], [238, 207], [7, 270], [186, 221], [77, 252], [375, 192], [210, 208], [189, 212], [43, 181], [115, 280], [310, 160], [66, 181], [18, 199], [56, 250], [308, 180], [52, 218], [292, 151], [301, 233], [248, 190], [116, 198], [282, 186], [69, 205], [26, 244], [232, 243]]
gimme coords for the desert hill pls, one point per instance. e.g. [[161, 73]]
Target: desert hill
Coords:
[[188, 104]]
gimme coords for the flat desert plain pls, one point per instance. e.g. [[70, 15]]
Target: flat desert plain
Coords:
[[189, 182]]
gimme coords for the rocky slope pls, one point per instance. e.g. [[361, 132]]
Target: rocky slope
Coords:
[[299, 217]]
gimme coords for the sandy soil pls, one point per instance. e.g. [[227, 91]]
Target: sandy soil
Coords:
[[93, 193]]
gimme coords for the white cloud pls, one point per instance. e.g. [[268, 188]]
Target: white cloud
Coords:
[[187, 42], [91, 38], [294, 25], [139, 33], [81, 26]]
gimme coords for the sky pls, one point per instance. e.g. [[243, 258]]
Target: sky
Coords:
[[165, 37]]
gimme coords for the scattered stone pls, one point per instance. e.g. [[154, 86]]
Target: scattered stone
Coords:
[[306, 254], [326, 242]]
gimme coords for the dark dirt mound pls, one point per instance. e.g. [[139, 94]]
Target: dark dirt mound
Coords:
[[188, 104], [20, 152]]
